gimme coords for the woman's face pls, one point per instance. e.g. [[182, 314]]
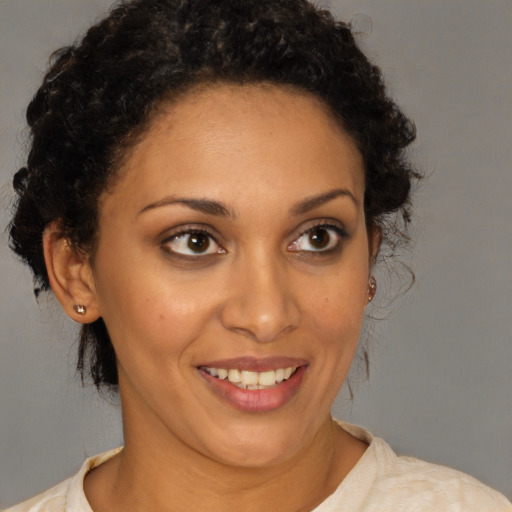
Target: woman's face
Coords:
[[233, 247]]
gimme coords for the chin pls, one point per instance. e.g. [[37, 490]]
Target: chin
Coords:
[[260, 445]]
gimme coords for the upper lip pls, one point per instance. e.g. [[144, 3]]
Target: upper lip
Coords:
[[255, 364]]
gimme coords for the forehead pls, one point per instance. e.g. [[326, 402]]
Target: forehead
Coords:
[[247, 137]]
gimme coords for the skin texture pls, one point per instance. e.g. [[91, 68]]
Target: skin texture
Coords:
[[261, 289]]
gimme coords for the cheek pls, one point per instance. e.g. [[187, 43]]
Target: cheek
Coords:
[[336, 313], [335, 320], [156, 315], [339, 323], [154, 321]]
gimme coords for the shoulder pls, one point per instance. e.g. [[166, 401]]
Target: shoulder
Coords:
[[420, 485], [68, 496], [383, 481], [52, 500]]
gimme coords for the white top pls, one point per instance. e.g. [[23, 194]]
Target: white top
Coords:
[[380, 482]]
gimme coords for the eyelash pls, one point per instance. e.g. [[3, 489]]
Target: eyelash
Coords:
[[189, 232], [334, 246], [186, 232]]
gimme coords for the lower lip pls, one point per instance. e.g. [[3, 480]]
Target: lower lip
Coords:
[[256, 400]]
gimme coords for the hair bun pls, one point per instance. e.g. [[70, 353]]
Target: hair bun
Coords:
[[19, 182]]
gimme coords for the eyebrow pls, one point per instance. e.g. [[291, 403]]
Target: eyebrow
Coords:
[[210, 207], [310, 203], [201, 205]]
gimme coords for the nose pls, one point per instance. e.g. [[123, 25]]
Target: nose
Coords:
[[261, 304]]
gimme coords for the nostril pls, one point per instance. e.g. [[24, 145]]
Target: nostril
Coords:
[[263, 323]]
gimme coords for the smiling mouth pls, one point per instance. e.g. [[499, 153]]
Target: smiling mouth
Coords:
[[252, 380]]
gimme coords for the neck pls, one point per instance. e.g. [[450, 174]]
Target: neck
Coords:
[[157, 471]]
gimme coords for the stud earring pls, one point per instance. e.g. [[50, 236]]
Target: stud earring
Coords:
[[80, 309], [372, 288]]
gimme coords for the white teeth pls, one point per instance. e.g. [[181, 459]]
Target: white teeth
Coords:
[[234, 376], [249, 378], [252, 380], [267, 378]]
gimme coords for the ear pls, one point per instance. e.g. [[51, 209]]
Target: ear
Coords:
[[70, 275], [374, 243]]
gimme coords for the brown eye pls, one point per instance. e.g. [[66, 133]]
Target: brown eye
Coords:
[[193, 243], [318, 239], [198, 242]]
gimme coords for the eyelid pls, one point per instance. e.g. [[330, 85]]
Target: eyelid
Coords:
[[327, 223], [190, 229], [322, 222]]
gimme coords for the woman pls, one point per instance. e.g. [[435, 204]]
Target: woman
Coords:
[[207, 191]]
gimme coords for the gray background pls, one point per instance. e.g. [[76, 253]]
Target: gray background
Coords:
[[441, 382]]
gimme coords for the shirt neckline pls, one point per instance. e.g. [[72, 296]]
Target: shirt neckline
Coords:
[[357, 481]]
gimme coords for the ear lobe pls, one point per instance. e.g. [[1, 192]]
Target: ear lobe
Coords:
[[70, 276]]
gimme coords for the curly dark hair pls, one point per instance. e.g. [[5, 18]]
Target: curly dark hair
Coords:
[[98, 96]]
